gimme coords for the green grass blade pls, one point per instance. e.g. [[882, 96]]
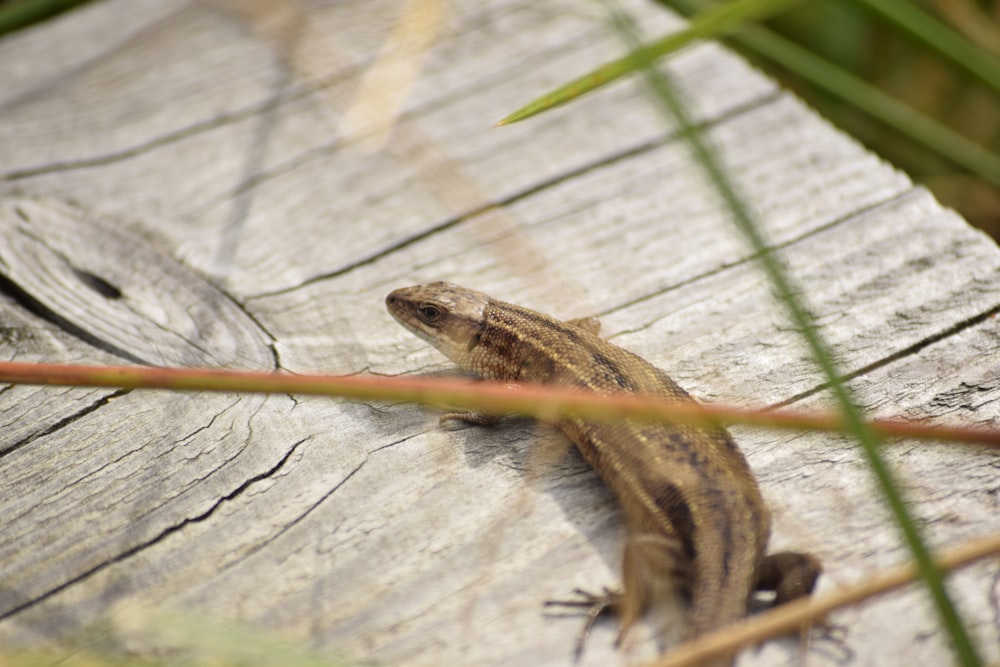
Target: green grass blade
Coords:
[[672, 106], [917, 126], [712, 23], [909, 18], [867, 98]]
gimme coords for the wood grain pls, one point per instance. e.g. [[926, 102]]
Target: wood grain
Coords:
[[114, 290], [177, 187]]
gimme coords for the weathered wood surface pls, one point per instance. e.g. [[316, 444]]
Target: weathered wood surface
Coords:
[[178, 188]]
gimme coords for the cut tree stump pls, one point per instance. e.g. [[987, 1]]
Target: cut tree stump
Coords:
[[210, 184]]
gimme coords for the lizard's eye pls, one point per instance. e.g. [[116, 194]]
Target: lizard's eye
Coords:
[[429, 313]]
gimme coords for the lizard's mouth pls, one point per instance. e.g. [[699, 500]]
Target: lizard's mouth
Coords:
[[402, 310], [405, 310], [447, 316]]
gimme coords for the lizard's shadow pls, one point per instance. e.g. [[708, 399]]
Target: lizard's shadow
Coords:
[[549, 464]]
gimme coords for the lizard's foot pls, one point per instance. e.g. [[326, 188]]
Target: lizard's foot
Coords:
[[593, 606], [829, 638], [450, 419]]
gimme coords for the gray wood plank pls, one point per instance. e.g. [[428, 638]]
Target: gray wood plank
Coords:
[[110, 287], [380, 197], [199, 165], [26, 412]]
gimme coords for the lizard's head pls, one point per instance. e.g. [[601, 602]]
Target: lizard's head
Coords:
[[447, 316]]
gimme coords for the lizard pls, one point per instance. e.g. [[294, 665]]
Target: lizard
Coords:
[[697, 523]]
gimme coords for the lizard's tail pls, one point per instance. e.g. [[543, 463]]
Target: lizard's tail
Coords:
[[660, 582]]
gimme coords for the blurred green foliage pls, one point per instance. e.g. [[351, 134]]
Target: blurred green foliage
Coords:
[[847, 33], [18, 14]]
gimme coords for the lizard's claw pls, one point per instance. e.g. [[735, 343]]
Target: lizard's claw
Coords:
[[593, 605]]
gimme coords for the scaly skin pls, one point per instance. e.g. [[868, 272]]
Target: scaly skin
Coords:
[[697, 521]]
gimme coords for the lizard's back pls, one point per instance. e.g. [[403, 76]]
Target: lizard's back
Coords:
[[695, 514], [697, 521]]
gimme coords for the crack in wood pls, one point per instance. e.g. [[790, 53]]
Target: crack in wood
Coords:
[[897, 198], [65, 421], [97, 283], [514, 197], [308, 510], [33, 305], [165, 139], [899, 355], [159, 537], [120, 293]]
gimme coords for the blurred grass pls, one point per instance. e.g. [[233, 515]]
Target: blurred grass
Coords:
[[139, 636], [917, 82], [838, 55], [849, 34], [674, 109], [18, 14]]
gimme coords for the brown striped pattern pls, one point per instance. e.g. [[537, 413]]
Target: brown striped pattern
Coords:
[[687, 492]]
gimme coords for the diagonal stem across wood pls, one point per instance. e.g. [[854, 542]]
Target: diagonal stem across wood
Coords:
[[536, 401]]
